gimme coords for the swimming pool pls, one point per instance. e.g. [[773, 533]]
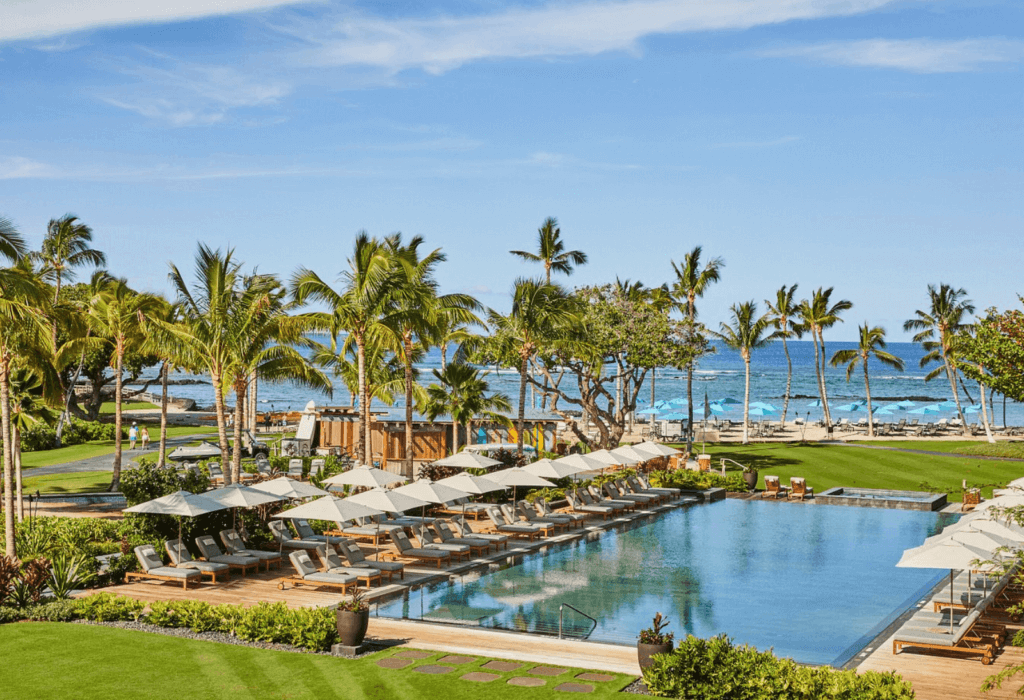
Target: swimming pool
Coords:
[[814, 582]]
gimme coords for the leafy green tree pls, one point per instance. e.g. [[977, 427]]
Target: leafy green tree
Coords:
[[692, 282], [992, 354], [782, 313], [871, 344], [551, 251], [937, 327], [817, 315], [462, 393], [747, 333], [30, 403]]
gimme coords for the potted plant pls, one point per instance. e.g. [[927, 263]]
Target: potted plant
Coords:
[[653, 640], [750, 477], [353, 616]]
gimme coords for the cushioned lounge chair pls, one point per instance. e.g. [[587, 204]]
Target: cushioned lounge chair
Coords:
[[645, 483], [798, 488], [211, 552], [773, 488], [529, 514], [960, 639], [306, 574], [476, 545], [544, 510], [295, 469], [153, 568], [547, 528], [613, 493], [625, 487], [598, 498], [182, 559], [284, 538], [333, 564], [374, 532], [428, 540], [355, 557], [462, 529], [234, 545], [501, 525], [405, 549], [305, 532], [578, 506]]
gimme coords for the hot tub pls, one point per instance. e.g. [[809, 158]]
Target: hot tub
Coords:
[[881, 498]]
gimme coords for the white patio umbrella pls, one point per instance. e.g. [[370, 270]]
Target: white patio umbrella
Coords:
[[551, 469], [387, 501], [987, 522], [1017, 484], [468, 460], [470, 483], [431, 491], [609, 459], [238, 496], [585, 463], [329, 508], [628, 453], [1001, 502], [656, 449], [370, 477], [184, 504], [288, 488], [948, 554], [517, 476]]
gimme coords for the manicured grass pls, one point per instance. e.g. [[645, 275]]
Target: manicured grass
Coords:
[[107, 407], [75, 482], [962, 447], [98, 448], [61, 660], [825, 466]]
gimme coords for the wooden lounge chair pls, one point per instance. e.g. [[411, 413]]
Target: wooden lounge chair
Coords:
[[501, 525], [962, 639], [153, 568], [625, 486], [316, 467], [355, 557], [548, 528], [596, 498], [529, 514], [613, 492], [772, 488], [285, 540], [578, 505], [295, 469], [459, 526], [405, 549], [544, 510], [428, 540], [333, 564], [234, 545], [373, 531], [181, 558], [475, 544], [645, 484], [305, 532], [211, 552], [306, 574], [798, 488]]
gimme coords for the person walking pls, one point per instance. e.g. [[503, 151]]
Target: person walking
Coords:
[[145, 437], [133, 435]]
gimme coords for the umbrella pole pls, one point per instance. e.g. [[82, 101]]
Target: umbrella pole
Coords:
[[951, 601]]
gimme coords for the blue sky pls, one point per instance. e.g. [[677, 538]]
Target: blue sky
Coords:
[[873, 146]]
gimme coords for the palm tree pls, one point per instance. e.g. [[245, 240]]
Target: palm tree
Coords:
[[162, 340], [660, 299], [937, 328], [12, 245], [692, 281], [119, 314], [462, 393], [385, 373], [30, 405], [448, 331], [816, 315], [356, 310], [872, 343], [782, 313], [539, 312], [414, 313], [746, 334], [551, 251]]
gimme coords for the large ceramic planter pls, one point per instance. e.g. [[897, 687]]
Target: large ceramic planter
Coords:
[[645, 652], [352, 626], [751, 479]]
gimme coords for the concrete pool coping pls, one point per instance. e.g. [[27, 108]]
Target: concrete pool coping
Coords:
[[881, 498]]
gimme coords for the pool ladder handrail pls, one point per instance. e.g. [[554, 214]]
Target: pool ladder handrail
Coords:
[[726, 459], [571, 607]]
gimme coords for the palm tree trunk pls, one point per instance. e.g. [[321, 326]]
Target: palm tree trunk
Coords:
[[222, 430], [951, 374], [867, 393], [746, 401], [67, 398], [984, 414], [254, 402], [824, 389], [522, 404], [115, 479], [817, 376], [444, 357], [408, 406], [236, 455], [455, 436], [691, 313], [164, 371], [19, 492], [789, 381], [5, 434]]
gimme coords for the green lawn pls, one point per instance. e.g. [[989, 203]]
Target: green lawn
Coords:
[[61, 660], [825, 466], [98, 448], [963, 447], [76, 482], [107, 407]]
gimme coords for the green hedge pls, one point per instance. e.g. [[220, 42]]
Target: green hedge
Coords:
[[697, 481], [716, 669], [43, 437]]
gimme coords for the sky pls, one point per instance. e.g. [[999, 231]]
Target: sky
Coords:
[[871, 146]]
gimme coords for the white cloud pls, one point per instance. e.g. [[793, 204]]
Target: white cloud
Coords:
[[32, 19], [441, 44], [914, 55], [18, 168]]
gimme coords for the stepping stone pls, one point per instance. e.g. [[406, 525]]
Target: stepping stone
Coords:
[[595, 677], [526, 682], [547, 671], [456, 660], [502, 666], [575, 688], [413, 654], [433, 669], [392, 662], [481, 677]]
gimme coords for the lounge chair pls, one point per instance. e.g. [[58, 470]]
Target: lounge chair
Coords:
[[458, 524], [476, 545], [578, 505], [405, 549], [211, 552], [295, 469], [372, 531], [234, 545], [671, 493], [612, 497], [334, 565], [306, 574], [351, 552], [216, 473], [428, 540], [626, 488], [526, 530], [798, 488], [587, 495], [530, 515], [961, 638], [547, 527], [544, 510], [316, 467], [305, 532], [772, 488], [181, 558], [153, 568], [284, 538]]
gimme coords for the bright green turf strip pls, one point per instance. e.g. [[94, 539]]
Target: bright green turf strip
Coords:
[[107, 407], [826, 466], [965, 447], [98, 448], [61, 660], [75, 482]]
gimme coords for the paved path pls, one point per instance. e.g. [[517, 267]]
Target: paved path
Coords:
[[105, 463], [925, 452]]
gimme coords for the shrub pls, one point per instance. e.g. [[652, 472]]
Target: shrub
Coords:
[[715, 669], [107, 607], [315, 629], [9, 614], [266, 622], [1018, 639], [10, 566], [193, 614], [68, 573], [54, 611], [696, 481], [40, 436]]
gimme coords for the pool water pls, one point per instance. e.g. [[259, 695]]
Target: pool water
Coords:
[[814, 582]]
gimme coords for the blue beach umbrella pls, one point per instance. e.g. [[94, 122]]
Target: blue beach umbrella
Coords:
[[717, 409], [765, 406], [673, 416], [852, 407], [947, 405], [649, 412], [973, 408], [728, 401], [894, 407], [679, 402], [758, 411], [815, 404], [662, 404], [906, 403], [927, 410]]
